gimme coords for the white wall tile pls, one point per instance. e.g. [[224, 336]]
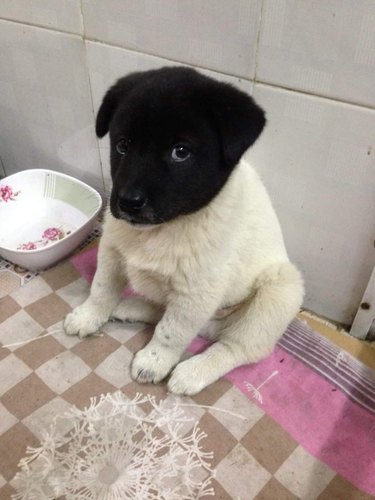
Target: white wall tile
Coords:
[[45, 105], [55, 14], [215, 35], [107, 64], [316, 157], [325, 47]]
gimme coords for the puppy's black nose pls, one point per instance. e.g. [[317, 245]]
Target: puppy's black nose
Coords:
[[131, 200]]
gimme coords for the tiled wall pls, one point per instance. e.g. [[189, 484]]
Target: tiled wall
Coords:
[[311, 64]]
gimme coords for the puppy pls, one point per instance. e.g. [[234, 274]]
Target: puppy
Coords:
[[190, 228]]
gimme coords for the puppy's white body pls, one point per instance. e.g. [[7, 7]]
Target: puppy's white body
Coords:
[[230, 253], [228, 243]]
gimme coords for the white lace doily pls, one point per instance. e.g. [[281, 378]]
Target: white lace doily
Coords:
[[115, 450]]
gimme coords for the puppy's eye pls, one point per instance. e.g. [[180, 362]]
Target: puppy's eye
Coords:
[[180, 153], [122, 146]]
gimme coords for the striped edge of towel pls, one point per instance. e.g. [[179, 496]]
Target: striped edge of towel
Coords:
[[338, 366]]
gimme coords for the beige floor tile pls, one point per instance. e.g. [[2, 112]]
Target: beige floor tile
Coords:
[[94, 350], [139, 340], [18, 328], [68, 341], [303, 475], [4, 352], [274, 490], [41, 420], [34, 290], [213, 392], [74, 293], [220, 492], [269, 443], [123, 332], [219, 439], [63, 371], [89, 387], [235, 401], [48, 310], [13, 445], [12, 371], [34, 354], [9, 282], [191, 410], [241, 475], [8, 307], [6, 492], [27, 396], [158, 391], [61, 275], [115, 369], [7, 420]]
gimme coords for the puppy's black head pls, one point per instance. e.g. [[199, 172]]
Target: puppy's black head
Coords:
[[175, 135]]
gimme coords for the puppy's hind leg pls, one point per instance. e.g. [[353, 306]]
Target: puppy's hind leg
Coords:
[[134, 309], [251, 332]]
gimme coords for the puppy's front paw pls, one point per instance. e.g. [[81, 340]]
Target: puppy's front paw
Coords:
[[83, 321], [152, 364], [187, 378]]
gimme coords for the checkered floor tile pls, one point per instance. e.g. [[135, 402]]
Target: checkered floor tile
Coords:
[[254, 458]]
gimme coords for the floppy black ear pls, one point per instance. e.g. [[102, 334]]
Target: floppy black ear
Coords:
[[117, 92], [105, 112], [238, 118]]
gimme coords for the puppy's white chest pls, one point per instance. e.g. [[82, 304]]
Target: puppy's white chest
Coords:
[[154, 286], [150, 258], [149, 270]]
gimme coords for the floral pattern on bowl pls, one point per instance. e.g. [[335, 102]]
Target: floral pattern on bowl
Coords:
[[44, 200], [49, 235], [7, 193]]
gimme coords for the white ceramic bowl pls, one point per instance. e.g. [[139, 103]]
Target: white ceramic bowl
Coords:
[[44, 216]]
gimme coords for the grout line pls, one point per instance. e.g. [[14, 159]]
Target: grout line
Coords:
[[274, 85], [84, 38], [47, 28], [92, 101], [94, 118], [268, 84], [258, 41], [311, 94], [82, 19], [180, 63]]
